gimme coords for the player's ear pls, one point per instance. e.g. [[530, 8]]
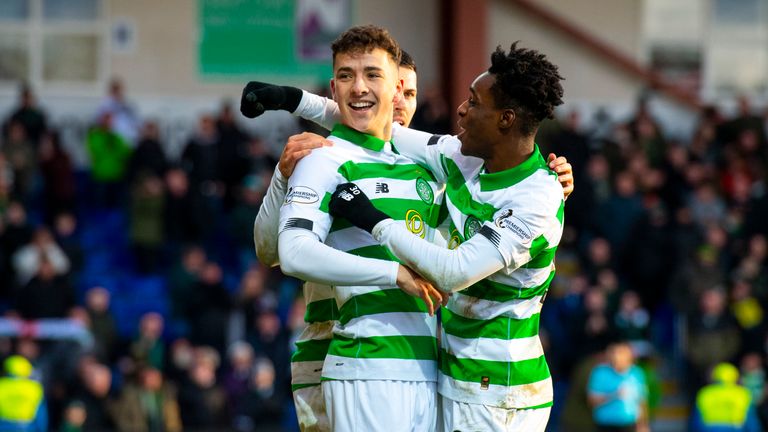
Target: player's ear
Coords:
[[398, 91], [507, 119], [333, 89]]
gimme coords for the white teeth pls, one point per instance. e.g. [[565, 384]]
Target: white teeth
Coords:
[[361, 104]]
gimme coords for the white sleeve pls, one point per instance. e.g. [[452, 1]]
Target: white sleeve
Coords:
[[304, 257], [268, 220], [428, 150], [450, 270], [318, 109]]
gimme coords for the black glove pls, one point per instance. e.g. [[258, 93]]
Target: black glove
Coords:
[[352, 204], [259, 97]]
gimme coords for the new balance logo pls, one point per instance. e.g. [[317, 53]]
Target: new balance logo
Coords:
[[382, 188]]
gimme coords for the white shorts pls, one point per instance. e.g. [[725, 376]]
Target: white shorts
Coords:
[[466, 417], [381, 405], [310, 409]]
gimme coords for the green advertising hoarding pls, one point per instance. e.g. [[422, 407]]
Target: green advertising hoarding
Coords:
[[269, 37]]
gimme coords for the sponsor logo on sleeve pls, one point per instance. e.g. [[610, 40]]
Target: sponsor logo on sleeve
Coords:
[[301, 195], [516, 225]]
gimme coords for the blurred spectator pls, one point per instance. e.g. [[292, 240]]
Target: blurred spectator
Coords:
[[148, 405], [433, 114], [75, 415], [109, 155], [182, 355], [250, 195], [707, 208], [271, 339], [237, 379], [148, 348], [28, 259], [28, 115], [6, 183], [47, 295], [594, 323], [699, 273], [147, 232], [632, 320], [263, 401], [620, 213], [201, 399], [59, 187], [646, 133], [745, 121], [650, 258], [20, 152], [200, 160], [234, 162], [208, 308], [251, 299], [22, 399], [753, 379], [749, 314], [149, 157], [95, 383], [182, 280], [183, 222], [65, 233], [102, 323], [617, 392], [713, 337], [724, 405], [15, 233], [125, 122]]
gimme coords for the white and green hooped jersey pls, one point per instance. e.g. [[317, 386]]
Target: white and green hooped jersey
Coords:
[[490, 348], [312, 345], [381, 332]]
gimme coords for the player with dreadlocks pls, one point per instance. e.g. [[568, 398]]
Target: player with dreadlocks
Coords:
[[506, 212]]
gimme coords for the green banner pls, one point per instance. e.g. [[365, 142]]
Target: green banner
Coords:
[[269, 37]]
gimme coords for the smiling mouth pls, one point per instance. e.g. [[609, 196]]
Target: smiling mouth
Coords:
[[399, 118], [360, 106]]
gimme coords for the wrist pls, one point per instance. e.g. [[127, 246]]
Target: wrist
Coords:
[[378, 230], [293, 97], [280, 176]]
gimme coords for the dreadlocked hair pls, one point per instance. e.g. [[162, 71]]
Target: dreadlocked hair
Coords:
[[527, 83]]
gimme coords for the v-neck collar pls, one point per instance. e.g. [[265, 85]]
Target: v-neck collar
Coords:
[[356, 137], [512, 176]]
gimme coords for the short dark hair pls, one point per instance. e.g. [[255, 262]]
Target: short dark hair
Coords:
[[366, 38], [527, 83], [406, 61]]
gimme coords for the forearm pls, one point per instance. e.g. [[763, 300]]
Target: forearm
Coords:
[[267, 221], [318, 109], [449, 270], [304, 257]]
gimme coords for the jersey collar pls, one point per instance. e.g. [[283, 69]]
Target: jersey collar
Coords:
[[512, 176], [357, 137]]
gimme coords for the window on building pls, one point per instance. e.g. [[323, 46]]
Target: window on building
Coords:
[[51, 42]]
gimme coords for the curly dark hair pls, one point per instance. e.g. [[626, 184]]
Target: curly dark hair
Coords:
[[407, 62], [527, 83], [365, 38]]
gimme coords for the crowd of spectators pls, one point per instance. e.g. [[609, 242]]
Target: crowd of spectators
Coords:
[[664, 246], [132, 285]]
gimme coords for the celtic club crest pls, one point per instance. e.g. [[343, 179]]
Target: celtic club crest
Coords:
[[471, 226], [424, 191]]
